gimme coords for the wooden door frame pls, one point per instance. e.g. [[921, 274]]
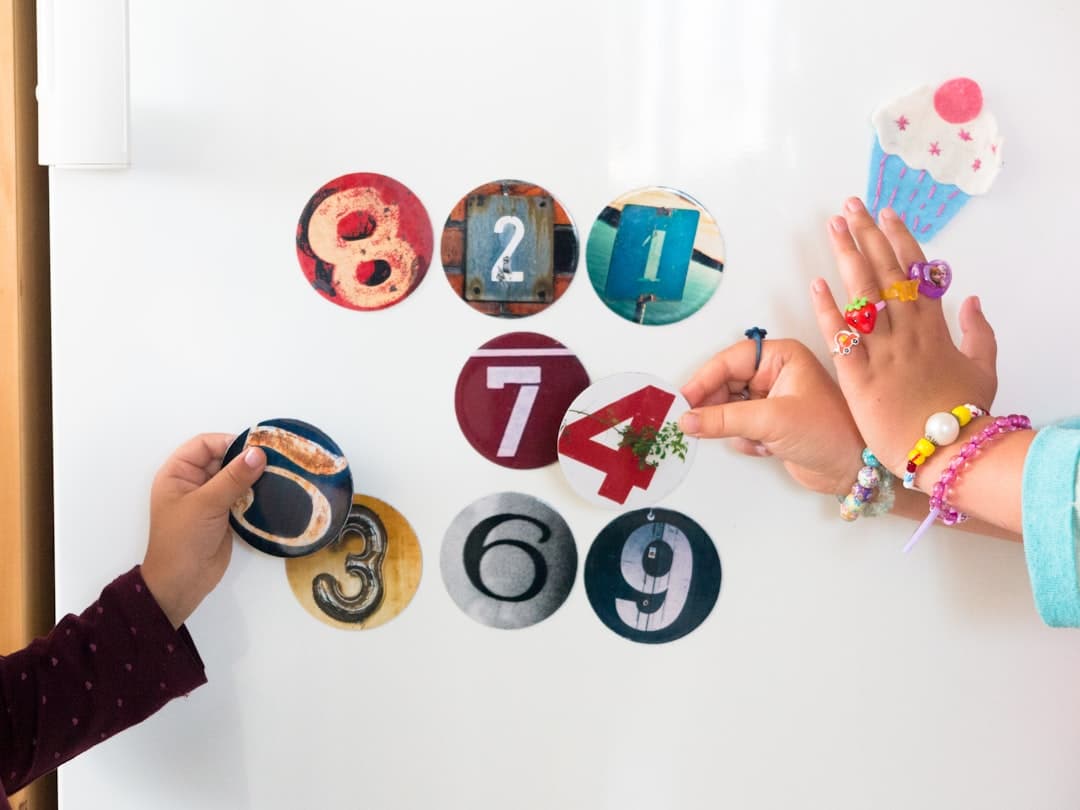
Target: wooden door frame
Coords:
[[26, 503]]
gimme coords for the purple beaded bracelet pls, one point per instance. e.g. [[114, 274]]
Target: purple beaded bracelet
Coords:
[[938, 505]]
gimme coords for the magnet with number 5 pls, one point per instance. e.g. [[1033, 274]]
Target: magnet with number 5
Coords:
[[652, 575], [511, 395], [620, 443], [509, 560], [509, 249]]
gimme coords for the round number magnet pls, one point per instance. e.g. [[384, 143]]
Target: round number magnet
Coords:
[[301, 501], [652, 575], [365, 577], [620, 443], [509, 249], [364, 241], [511, 396], [655, 256], [509, 560]]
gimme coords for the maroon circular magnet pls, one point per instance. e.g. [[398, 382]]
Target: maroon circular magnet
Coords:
[[512, 394]]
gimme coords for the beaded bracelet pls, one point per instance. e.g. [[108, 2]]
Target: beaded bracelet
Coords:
[[872, 479], [938, 506], [941, 428]]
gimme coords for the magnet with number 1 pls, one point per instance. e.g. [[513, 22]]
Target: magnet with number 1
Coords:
[[655, 256], [509, 249]]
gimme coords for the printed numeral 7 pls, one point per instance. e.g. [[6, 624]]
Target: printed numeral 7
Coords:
[[528, 377]]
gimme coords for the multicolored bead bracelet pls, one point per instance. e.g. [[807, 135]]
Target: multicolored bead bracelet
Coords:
[[938, 505], [941, 428], [872, 494]]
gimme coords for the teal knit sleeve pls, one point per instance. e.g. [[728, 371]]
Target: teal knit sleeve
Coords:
[[1050, 522]]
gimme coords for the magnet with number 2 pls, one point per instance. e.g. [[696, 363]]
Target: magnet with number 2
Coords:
[[364, 241], [655, 256], [620, 443], [652, 575], [509, 560], [509, 249], [511, 395]]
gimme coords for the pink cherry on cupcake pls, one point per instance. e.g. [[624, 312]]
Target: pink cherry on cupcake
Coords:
[[958, 100]]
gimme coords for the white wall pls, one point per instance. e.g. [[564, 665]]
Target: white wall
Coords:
[[833, 672]]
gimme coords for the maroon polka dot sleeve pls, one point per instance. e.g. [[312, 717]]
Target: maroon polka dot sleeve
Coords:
[[92, 676]]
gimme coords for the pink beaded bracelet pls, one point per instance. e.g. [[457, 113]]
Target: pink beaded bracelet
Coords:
[[938, 506]]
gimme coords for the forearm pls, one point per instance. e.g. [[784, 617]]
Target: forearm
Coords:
[[93, 675], [989, 487], [914, 505]]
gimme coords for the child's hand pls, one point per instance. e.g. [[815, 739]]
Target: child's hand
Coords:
[[908, 368], [795, 412], [190, 543]]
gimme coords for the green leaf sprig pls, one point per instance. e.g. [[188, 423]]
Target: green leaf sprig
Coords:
[[649, 445]]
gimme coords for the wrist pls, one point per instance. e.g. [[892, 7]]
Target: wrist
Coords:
[[990, 486], [170, 599]]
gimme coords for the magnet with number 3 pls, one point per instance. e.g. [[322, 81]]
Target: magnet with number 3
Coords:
[[366, 576], [509, 249], [620, 443], [511, 395], [509, 560]]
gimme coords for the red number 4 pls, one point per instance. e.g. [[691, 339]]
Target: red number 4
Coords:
[[623, 470]]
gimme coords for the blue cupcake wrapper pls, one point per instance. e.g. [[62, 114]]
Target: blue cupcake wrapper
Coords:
[[922, 203]]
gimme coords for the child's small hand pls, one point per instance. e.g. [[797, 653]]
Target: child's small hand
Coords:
[[795, 412], [907, 368], [190, 543]]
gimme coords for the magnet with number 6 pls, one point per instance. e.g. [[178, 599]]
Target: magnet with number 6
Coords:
[[509, 560], [511, 395]]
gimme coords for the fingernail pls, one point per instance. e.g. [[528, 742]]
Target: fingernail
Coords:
[[690, 423], [853, 204], [838, 224], [976, 303], [887, 213], [818, 286], [253, 458]]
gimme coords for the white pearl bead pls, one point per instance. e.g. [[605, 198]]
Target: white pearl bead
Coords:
[[942, 428]]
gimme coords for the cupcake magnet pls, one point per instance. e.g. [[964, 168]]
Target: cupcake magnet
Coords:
[[934, 149]]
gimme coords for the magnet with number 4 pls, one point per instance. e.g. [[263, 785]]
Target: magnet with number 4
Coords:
[[655, 255], [620, 443], [509, 560], [511, 395], [652, 575], [509, 249]]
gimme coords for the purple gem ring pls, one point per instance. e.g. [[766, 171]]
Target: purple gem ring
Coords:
[[934, 277]]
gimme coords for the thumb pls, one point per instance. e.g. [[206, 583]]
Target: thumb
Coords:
[[978, 341], [233, 480]]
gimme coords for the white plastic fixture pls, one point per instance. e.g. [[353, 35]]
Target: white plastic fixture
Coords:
[[82, 89]]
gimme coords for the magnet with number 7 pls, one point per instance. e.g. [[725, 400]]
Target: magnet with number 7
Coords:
[[511, 395]]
